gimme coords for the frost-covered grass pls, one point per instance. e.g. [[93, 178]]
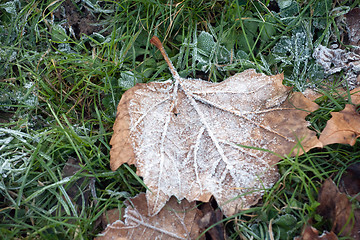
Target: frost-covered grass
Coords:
[[60, 84]]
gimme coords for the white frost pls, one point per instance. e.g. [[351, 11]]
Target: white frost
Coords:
[[186, 140]]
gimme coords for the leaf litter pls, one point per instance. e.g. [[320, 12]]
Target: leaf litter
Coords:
[[353, 26], [336, 207], [187, 136], [175, 221], [80, 190], [344, 126], [211, 218], [310, 233], [336, 59]]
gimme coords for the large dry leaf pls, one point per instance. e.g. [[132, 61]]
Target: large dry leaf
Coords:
[[174, 221], [184, 135], [344, 126]]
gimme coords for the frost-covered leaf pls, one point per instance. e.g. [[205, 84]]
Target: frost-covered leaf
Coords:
[[128, 80], [185, 136], [206, 42], [294, 55], [288, 8], [282, 226], [13, 161], [335, 60], [10, 7], [96, 8], [58, 33], [174, 221], [206, 52], [284, 3], [353, 25], [292, 49]]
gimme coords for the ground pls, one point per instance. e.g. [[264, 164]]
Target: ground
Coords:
[[64, 66]]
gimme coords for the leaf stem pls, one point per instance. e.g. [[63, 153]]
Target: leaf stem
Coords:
[[157, 43]]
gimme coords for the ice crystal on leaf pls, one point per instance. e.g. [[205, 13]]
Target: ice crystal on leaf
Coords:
[[186, 136], [294, 57], [175, 221]]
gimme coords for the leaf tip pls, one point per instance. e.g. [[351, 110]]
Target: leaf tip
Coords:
[[156, 42]]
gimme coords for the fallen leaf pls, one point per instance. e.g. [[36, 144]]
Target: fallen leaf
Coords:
[[310, 233], [352, 19], [311, 94], [344, 126], [185, 136], [174, 221], [80, 190], [355, 96], [209, 218], [110, 216], [337, 60], [350, 181], [336, 207]]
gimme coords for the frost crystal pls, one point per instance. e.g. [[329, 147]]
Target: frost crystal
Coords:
[[187, 137], [13, 161], [336, 60]]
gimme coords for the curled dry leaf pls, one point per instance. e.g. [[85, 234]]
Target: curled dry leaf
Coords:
[[350, 181], [344, 126], [174, 221], [336, 60], [212, 218], [310, 233], [184, 136], [352, 19], [336, 207]]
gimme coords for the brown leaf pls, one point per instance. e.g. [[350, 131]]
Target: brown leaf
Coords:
[[350, 181], [352, 19], [174, 221], [310, 233], [209, 218], [110, 217], [184, 136], [311, 94], [80, 190], [344, 126], [336, 207], [355, 96]]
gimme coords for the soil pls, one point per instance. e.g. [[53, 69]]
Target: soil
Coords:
[[78, 17]]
